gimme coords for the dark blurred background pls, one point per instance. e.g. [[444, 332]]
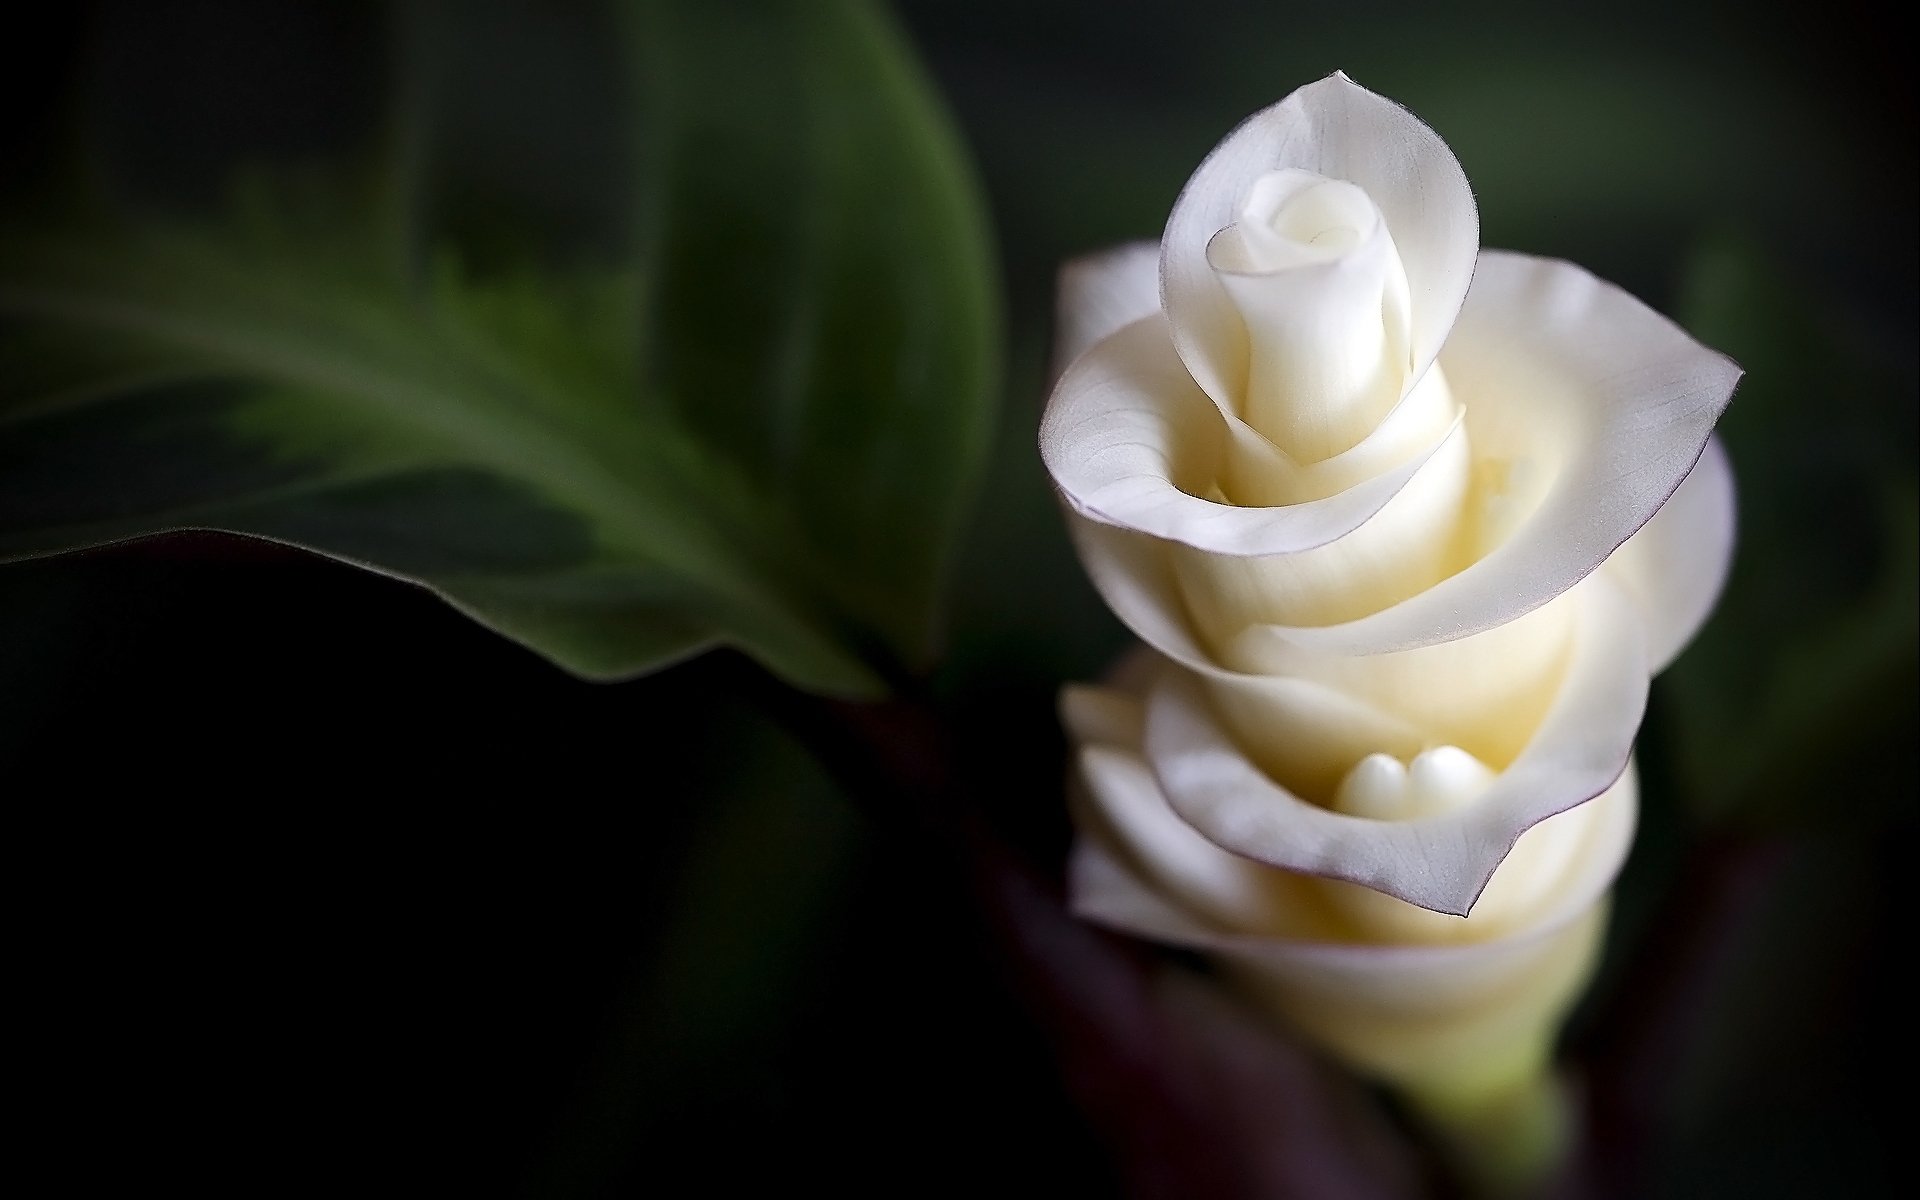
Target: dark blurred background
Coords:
[[320, 886]]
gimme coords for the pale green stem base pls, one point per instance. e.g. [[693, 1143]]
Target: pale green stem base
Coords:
[[1505, 1143]]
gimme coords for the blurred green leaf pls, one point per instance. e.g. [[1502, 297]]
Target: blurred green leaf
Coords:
[[758, 424], [1810, 660]]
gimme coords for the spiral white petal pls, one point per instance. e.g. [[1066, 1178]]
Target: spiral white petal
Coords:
[[1341, 131]]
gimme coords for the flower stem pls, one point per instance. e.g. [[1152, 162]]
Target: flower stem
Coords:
[[1507, 1142]]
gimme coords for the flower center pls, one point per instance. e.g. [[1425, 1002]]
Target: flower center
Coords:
[[1323, 297], [1437, 781], [1292, 218]]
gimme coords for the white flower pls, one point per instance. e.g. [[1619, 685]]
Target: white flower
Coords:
[[1409, 527]]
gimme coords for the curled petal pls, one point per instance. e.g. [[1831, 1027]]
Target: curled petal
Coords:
[[1224, 890], [1126, 427], [1338, 129], [1586, 410], [1307, 734], [1484, 693], [1305, 715], [1557, 866], [1107, 884], [1102, 293], [1676, 565], [1406, 546], [1442, 862], [1133, 574]]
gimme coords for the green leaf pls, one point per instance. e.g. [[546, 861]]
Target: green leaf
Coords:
[[754, 421], [1805, 675]]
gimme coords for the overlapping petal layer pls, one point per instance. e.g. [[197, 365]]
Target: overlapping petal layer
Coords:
[[1577, 749], [1132, 443], [1586, 410], [1378, 979]]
